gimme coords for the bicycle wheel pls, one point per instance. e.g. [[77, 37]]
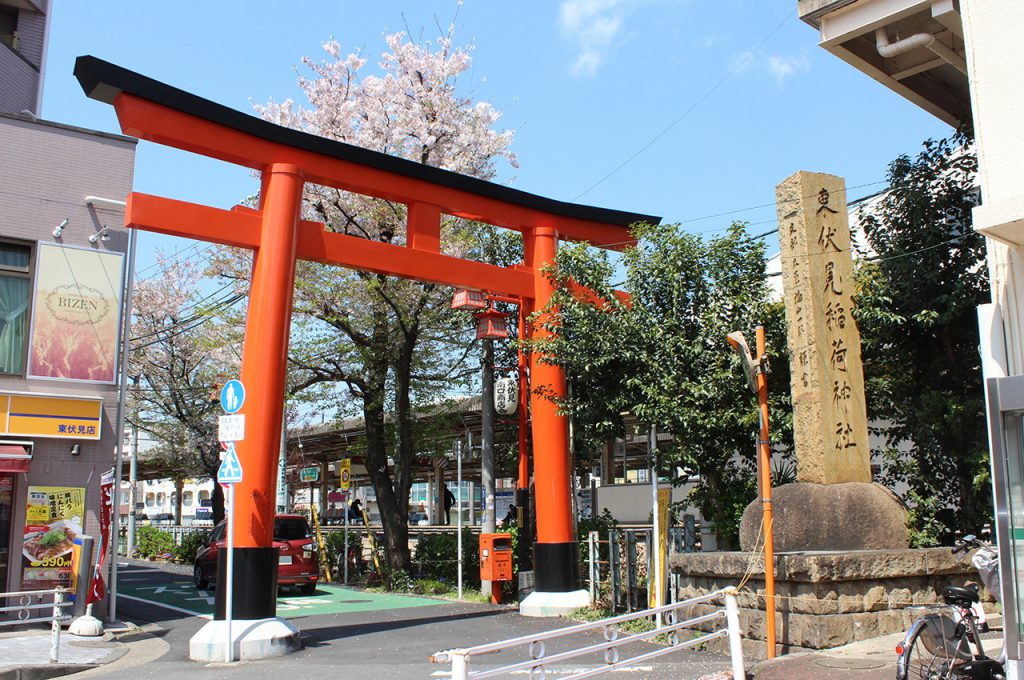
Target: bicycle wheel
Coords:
[[932, 649]]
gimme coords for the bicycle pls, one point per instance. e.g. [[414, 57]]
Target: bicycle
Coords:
[[938, 646]]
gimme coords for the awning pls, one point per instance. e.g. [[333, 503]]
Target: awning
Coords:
[[15, 458]]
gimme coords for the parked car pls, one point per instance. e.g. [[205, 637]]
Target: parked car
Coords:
[[297, 565]]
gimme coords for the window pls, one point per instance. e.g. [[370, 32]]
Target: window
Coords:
[[9, 26], [186, 498], [149, 500], [161, 498], [15, 288], [218, 533]]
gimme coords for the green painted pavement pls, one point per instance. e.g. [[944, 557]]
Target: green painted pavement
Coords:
[[183, 596]]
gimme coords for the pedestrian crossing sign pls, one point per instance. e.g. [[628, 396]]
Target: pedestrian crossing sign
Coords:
[[230, 470]]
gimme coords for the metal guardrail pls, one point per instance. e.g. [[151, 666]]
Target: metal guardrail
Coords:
[[535, 644], [25, 608]]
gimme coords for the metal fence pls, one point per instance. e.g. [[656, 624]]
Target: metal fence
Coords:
[[618, 563], [26, 606], [538, 662]]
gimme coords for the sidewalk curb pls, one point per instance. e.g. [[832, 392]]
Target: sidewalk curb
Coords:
[[44, 672]]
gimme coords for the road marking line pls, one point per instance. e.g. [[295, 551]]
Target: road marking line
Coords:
[[209, 600], [180, 610]]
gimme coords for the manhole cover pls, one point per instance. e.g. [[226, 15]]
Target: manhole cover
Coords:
[[352, 601], [852, 664]]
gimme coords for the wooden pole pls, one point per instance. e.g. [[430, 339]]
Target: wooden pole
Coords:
[[764, 451]]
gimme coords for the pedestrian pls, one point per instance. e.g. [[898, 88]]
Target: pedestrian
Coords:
[[449, 502], [355, 511], [511, 517]]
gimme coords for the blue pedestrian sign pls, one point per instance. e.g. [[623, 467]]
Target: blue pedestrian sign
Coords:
[[230, 471], [232, 396]]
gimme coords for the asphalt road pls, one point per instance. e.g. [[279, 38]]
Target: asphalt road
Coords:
[[391, 639]]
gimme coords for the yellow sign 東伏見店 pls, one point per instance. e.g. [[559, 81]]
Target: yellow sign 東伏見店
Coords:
[[46, 416]]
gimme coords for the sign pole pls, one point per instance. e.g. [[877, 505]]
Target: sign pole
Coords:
[[229, 647], [346, 541], [345, 474], [231, 428]]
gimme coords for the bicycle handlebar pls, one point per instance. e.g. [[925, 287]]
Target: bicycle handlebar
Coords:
[[967, 542]]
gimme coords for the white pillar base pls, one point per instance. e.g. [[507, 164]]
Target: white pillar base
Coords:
[[86, 625], [258, 639], [548, 605]]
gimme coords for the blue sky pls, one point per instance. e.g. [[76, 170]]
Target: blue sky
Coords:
[[586, 85]]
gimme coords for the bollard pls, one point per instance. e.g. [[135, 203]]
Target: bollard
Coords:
[[58, 600], [460, 665]]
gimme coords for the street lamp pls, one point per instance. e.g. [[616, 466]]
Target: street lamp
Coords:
[[490, 325], [468, 300]]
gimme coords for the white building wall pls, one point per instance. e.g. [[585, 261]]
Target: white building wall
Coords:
[[992, 30]]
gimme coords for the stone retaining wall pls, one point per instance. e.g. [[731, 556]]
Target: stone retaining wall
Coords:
[[826, 599]]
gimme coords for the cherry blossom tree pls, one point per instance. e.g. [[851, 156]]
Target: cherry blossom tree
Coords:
[[392, 344], [182, 348]]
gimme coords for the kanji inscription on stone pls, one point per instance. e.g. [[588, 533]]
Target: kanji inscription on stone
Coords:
[[829, 418]]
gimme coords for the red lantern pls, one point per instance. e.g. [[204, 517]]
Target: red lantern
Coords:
[[468, 300], [490, 325]]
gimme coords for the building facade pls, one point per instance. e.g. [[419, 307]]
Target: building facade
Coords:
[[23, 31], [63, 269]]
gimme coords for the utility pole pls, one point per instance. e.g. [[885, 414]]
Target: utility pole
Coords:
[[487, 445]]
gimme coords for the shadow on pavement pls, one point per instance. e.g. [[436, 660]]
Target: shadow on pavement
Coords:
[[315, 636]]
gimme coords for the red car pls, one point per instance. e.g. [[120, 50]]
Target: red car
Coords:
[[297, 565]]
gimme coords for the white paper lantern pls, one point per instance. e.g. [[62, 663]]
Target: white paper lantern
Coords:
[[506, 396]]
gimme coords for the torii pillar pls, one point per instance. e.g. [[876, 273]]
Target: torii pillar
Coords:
[[556, 554]]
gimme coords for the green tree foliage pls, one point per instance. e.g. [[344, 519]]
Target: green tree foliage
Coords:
[[916, 312], [664, 357]]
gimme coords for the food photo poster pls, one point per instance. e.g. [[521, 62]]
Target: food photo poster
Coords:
[[53, 520]]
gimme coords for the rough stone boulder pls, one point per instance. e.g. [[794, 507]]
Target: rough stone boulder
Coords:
[[849, 516]]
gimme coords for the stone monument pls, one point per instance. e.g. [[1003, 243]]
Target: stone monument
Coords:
[[841, 564], [834, 505]]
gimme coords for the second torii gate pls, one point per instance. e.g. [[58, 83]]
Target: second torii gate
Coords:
[[287, 159]]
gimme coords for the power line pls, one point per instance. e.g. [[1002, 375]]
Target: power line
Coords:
[[878, 258], [738, 65]]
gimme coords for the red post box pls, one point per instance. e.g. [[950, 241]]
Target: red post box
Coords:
[[496, 561]]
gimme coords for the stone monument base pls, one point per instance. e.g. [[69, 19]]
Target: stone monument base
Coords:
[[848, 516], [824, 599]]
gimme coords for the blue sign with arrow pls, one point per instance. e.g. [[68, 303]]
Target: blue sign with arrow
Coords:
[[232, 396], [230, 470]]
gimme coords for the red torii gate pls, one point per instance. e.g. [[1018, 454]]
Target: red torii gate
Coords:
[[287, 159]]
